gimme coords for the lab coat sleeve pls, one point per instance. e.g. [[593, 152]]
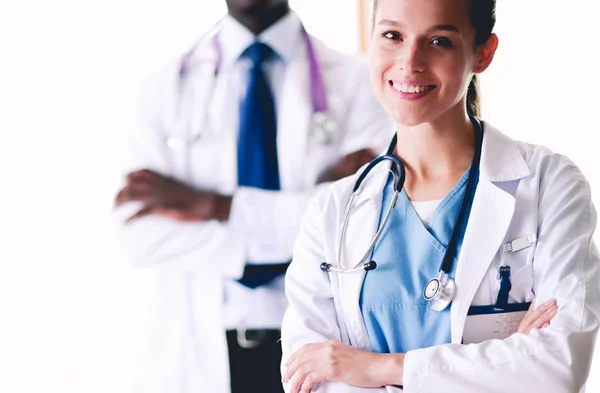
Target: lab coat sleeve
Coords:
[[269, 221], [158, 242], [566, 267], [209, 247], [311, 315]]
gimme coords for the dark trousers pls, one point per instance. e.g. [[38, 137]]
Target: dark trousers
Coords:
[[255, 370]]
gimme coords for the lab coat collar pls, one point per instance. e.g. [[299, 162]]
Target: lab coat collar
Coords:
[[282, 37], [501, 159]]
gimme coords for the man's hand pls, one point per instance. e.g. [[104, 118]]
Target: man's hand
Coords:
[[347, 165], [171, 198]]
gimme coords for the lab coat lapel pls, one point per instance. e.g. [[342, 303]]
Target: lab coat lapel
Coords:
[[489, 220], [188, 106], [491, 214], [294, 113], [192, 113]]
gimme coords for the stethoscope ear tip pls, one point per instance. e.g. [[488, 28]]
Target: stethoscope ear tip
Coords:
[[325, 267]]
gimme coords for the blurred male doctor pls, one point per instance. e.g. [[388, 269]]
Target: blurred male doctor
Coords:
[[236, 136]]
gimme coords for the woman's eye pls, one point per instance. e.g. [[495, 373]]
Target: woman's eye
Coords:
[[441, 41], [392, 35]]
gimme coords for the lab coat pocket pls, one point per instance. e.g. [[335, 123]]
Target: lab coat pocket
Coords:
[[209, 166], [488, 322], [520, 261], [522, 285]]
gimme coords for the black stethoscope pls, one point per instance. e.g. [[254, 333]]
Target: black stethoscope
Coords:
[[439, 291]]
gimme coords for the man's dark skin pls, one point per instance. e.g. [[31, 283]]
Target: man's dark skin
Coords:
[[169, 197]]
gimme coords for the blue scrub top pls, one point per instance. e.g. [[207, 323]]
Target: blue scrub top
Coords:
[[408, 255]]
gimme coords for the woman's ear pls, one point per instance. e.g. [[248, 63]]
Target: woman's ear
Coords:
[[486, 54]]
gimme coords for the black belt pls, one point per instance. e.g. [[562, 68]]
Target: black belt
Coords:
[[252, 338], [257, 275]]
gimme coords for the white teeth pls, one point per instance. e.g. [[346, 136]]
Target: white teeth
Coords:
[[410, 89]]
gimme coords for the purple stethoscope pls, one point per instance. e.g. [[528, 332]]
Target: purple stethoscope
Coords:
[[323, 126]]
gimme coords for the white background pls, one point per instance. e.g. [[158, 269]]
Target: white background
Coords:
[[72, 311]]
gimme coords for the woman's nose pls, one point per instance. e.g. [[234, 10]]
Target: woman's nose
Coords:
[[411, 58]]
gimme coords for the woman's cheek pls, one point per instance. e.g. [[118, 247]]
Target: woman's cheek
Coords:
[[382, 69], [377, 73], [456, 80]]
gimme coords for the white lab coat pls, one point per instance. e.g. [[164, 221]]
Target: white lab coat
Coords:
[[187, 349], [523, 189]]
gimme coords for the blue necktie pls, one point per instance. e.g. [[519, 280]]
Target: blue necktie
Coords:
[[257, 148], [257, 140]]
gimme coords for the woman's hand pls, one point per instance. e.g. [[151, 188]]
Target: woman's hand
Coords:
[[537, 318], [334, 361]]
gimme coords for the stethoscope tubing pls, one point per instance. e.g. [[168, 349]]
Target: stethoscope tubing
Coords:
[[398, 171], [318, 92]]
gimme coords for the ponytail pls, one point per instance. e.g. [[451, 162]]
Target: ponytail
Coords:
[[483, 18], [473, 101]]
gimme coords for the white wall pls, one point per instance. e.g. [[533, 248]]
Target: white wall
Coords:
[[72, 310]]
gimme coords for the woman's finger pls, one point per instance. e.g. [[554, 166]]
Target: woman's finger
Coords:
[[298, 379], [306, 348], [544, 318], [302, 359], [533, 314], [294, 355], [539, 311], [310, 381], [290, 370], [526, 318]]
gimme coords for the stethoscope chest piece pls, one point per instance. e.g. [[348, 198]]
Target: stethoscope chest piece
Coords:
[[439, 293], [323, 127]]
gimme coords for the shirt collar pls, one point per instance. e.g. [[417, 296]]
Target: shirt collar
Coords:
[[282, 37]]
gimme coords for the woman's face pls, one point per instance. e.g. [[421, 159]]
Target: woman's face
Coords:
[[422, 57]]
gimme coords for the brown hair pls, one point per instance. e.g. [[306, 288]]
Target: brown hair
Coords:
[[483, 18]]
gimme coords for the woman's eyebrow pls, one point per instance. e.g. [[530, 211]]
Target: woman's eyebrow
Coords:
[[444, 27], [389, 22]]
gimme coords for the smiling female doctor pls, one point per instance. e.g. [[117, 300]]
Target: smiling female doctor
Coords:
[[427, 288]]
